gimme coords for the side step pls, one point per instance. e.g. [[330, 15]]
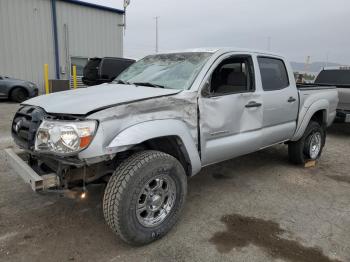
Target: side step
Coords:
[[37, 182]]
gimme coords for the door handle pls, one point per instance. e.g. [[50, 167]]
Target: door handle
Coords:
[[253, 104], [291, 100]]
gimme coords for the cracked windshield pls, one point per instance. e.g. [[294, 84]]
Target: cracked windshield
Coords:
[[174, 71]]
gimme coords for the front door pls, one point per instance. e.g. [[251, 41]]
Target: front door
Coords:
[[230, 111]]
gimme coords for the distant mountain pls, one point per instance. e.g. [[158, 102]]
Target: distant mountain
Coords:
[[314, 67]]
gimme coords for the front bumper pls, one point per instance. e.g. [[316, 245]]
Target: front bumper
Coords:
[[343, 116], [38, 182]]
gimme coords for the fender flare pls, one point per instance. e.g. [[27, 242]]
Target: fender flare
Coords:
[[308, 113], [153, 129]]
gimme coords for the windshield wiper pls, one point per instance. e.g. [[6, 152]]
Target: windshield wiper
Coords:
[[121, 82], [148, 84]]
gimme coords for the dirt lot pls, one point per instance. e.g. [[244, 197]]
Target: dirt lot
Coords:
[[254, 208]]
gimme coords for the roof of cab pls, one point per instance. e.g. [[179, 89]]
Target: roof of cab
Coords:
[[223, 50]]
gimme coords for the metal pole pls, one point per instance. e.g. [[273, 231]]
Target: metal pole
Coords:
[[46, 78], [157, 47], [75, 82], [55, 38], [124, 20]]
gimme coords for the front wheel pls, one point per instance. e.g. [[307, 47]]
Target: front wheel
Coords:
[[19, 95], [309, 146], [144, 197]]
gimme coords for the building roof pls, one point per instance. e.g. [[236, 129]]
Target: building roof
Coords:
[[100, 7]]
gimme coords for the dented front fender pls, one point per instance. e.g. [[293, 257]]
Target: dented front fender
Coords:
[[154, 129]]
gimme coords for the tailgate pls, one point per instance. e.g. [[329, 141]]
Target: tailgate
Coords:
[[344, 98]]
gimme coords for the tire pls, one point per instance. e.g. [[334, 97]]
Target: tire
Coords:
[[19, 95], [130, 189], [300, 151]]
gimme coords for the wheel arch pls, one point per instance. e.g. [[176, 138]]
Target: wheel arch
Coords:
[[168, 136], [317, 112], [12, 88]]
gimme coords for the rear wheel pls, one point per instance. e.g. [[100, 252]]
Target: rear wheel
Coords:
[[309, 146], [19, 95], [144, 197]]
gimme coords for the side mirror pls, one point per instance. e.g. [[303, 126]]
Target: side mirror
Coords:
[[206, 89]]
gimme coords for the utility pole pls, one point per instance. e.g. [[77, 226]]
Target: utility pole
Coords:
[[157, 47], [126, 4], [269, 43], [307, 64], [327, 58]]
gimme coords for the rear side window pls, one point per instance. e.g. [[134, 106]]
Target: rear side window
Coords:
[[274, 74]]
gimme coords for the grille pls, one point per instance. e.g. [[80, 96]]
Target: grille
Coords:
[[25, 124]]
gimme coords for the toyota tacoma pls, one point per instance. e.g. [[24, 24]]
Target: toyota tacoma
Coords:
[[159, 122]]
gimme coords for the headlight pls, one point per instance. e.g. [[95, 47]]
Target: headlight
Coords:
[[63, 137]]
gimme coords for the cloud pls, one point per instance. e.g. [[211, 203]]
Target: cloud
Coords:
[[296, 28]]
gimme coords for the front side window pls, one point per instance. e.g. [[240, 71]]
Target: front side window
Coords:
[[233, 75], [173, 71], [274, 74]]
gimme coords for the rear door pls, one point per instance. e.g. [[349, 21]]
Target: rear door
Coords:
[[280, 100], [230, 108]]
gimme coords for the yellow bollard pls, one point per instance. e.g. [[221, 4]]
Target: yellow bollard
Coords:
[[46, 78], [75, 83]]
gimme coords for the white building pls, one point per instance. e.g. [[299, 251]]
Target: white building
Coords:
[[55, 32]]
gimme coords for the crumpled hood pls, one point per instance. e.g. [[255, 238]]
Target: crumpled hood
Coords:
[[85, 100]]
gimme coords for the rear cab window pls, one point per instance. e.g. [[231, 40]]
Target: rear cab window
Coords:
[[274, 75]]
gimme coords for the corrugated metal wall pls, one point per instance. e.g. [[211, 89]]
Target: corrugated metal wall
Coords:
[[88, 32], [26, 37]]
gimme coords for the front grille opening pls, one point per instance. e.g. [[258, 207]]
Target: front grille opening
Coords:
[[27, 121], [25, 124]]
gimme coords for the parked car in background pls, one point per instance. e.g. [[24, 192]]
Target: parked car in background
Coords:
[[17, 90], [339, 77], [104, 70], [162, 120]]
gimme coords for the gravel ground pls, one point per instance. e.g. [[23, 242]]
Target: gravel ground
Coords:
[[253, 208]]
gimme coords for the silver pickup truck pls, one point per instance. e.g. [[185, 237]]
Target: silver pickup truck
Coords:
[[162, 120]]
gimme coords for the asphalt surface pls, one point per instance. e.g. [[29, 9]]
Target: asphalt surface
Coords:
[[254, 208]]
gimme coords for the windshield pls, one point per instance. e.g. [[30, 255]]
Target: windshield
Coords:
[[175, 71]]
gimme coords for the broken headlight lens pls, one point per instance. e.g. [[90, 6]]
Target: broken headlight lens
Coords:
[[63, 137]]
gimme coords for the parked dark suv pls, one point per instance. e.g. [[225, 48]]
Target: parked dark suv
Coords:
[[104, 70], [17, 90]]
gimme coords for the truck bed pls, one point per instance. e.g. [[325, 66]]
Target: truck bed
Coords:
[[315, 86], [309, 94], [343, 92]]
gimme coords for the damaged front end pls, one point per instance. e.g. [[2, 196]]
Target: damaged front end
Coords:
[[43, 169]]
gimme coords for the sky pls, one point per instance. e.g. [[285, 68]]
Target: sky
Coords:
[[294, 28]]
